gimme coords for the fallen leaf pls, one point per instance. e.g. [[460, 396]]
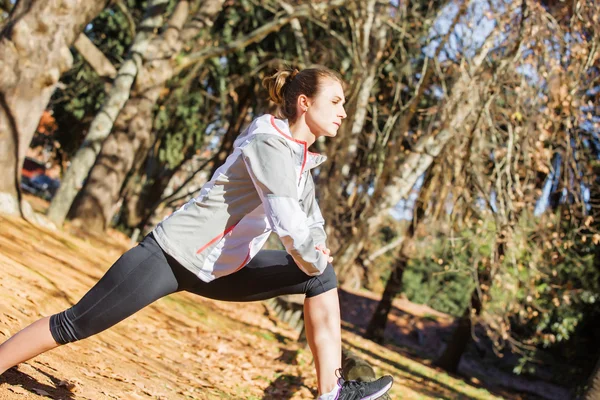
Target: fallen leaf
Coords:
[[17, 389], [41, 392], [66, 385]]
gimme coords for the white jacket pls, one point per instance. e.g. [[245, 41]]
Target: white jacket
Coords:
[[265, 185]]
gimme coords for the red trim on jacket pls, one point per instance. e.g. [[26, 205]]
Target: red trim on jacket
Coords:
[[217, 238]]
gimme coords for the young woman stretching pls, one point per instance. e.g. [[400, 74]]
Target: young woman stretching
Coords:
[[211, 245]]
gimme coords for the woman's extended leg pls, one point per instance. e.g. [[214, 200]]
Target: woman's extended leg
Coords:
[[28, 343], [141, 276]]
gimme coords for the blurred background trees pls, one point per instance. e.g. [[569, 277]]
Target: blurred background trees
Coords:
[[465, 176]]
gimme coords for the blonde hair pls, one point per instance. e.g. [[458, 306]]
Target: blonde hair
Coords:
[[286, 85]]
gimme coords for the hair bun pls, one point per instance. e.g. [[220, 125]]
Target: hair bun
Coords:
[[276, 84], [294, 73]]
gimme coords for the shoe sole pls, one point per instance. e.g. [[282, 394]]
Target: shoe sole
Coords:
[[380, 393]]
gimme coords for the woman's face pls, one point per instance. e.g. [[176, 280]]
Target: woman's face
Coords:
[[325, 112]]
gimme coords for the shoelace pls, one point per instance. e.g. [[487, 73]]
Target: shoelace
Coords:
[[356, 385]]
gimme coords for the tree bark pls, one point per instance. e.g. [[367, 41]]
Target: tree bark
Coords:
[[96, 203], [102, 124], [34, 52], [367, 58]]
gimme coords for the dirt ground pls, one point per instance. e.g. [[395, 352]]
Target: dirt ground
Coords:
[[183, 346]]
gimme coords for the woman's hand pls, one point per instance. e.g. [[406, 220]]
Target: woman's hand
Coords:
[[325, 251]]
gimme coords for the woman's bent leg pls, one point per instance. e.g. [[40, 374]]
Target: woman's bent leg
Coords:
[[274, 273], [323, 333], [141, 276], [269, 274]]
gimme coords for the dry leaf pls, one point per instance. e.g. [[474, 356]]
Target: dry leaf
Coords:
[[17, 389], [66, 385], [40, 392]]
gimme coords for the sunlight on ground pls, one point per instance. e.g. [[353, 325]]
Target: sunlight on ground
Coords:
[[182, 347]]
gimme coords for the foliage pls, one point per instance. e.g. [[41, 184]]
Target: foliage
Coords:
[[536, 297], [82, 92], [442, 277], [515, 187]]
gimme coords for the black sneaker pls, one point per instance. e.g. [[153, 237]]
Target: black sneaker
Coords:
[[355, 390]]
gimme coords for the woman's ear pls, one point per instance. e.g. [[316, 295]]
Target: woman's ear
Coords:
[[303, 102]]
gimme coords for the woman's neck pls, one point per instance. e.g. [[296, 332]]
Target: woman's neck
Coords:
[[301, 131]]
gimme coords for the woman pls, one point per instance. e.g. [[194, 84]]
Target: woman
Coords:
[[211, 245]]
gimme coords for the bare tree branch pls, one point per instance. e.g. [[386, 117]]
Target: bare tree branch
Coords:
[[278, 22], [94, 57]]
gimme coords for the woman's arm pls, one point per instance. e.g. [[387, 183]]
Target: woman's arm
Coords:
[[270, 164], [309, 204]]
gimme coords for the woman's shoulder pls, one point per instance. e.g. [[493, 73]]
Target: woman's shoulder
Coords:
[[268, 130], [265, 140]]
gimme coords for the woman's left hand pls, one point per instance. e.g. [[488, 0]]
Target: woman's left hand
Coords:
[[325, 251]]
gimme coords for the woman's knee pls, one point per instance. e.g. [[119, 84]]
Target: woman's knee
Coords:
[[62, 328], [322, 283]]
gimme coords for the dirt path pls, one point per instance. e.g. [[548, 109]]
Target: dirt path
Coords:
[[181, 347]]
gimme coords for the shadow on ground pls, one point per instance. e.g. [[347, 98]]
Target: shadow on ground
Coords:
[[284, 387], [18, 379]]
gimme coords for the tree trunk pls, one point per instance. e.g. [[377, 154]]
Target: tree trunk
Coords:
[[376, 329], [34, 52], [127, 144], [132, 134], [350, 246], [102, 124], [461, 337], [367, 57], [240, 113], [458, 343], [134, 195], [462, 108]]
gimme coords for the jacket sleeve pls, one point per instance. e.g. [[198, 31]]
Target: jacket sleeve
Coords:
[[309, 203], [270, 164]]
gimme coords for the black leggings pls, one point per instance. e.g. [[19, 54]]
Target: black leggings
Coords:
[[146, 273]]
